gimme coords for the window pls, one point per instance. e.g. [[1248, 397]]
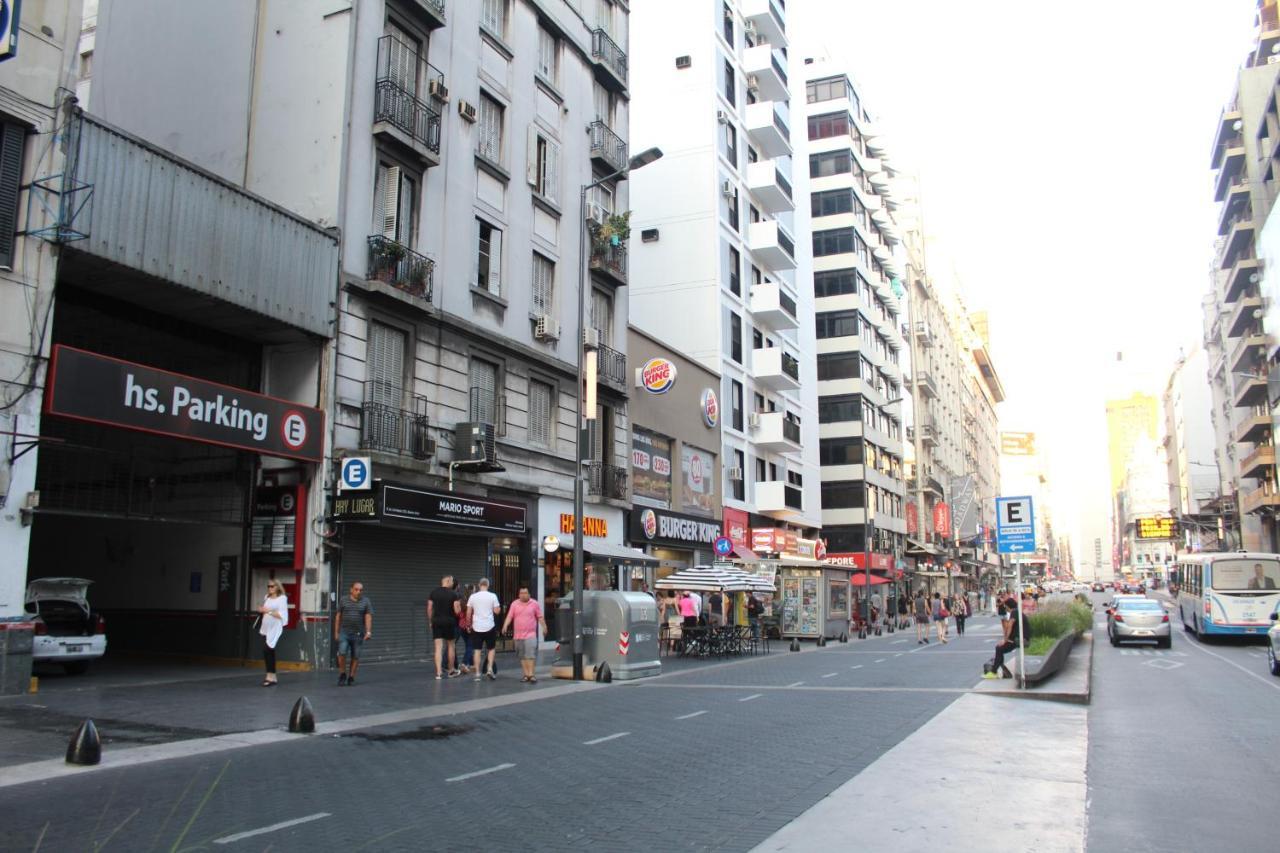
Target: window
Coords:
[[606, 103], [837, 366], [542, 413], [398, 58], [735, 272], [831, 203], [840, 451], [543, 165], [544, 277], [835, 283], [735, 403], [394, 203], [846, 407], [13, 138], [730, 86], [842, 495], [757, 398], [836, 324], [384, 365], [728, 24], [735, 337], [731, 144], [548, 56], [757, 338], [836, 241], [602, 316], [493, 16], [830, 89], [733, 209], [829, 125], [488, 257], [760, 470], [484, 391], [739, 485], [795, 478], [827, 163], [489, 145]]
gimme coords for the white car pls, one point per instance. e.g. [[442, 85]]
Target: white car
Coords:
[[67, 631]]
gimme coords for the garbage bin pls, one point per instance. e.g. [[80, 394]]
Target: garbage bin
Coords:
[[15, 656], [618, 628]]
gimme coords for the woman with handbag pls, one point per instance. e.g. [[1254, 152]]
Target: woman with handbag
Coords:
[[940, 616], [274, 615]]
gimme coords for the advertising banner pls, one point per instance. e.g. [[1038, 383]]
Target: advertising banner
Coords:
[[698, 468], [650, 469]]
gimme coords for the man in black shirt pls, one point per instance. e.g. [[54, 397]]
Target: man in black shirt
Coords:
[[754, 611], [353, 625], [1009, 641], [443, 608]]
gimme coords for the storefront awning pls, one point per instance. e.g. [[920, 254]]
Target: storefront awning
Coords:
[[860, 579], [746, 555], [801, 562], [613, 552]]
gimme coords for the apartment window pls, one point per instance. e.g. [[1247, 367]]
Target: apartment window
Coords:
[[730, 85], [13, 137], [753, 213], [836, 241], [484, 391], [489, 145], [606, 103], [541, 413], [544, 276], [739, 485], [733, 209], [756, 277], [488, 257], [827, 163], [773, 472], [840, 451], [735, 272], [735, 403], [829, 125], [829, 89], [752, 156], [735, 337], [398, 58], [842, 495], [837, 366], [758, 400], [493, 16], [839, 409], [394, 203], [835, 283], [384, 365], [543, 164], [548, 56], [728, 24], [760, 470], [795, 478], [731, 144], [831, 203], [836, 324], [602, 316], [757, 338]]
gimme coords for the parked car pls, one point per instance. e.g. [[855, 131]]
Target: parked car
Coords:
[[1136, 618], [67, 631], [1099, 586], [1273, 644]]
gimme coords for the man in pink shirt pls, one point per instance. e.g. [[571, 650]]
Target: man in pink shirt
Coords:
[[526, 615]]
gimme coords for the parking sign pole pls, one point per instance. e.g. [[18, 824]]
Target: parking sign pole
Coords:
[[1022, 645]]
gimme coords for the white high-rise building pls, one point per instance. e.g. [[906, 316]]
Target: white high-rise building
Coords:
[[717, 271]]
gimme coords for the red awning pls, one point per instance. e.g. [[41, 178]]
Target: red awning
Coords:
[[745, 554], [860, 579]]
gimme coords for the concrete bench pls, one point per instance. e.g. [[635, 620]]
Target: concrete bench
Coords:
[[1055, 660]]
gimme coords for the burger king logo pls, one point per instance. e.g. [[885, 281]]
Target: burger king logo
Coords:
[[710, 408], [649, 523], [658, 375]]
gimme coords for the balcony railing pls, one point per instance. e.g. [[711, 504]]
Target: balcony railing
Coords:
[[606, 481], [611, 368], [791, 430], [387, 428], [400, 267], [607, 52], [400, 72], [784, 183], [611, 260], [784, 240], [791, 366], [777, 66], [607, 146]]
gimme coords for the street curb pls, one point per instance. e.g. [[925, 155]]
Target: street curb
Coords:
[[1075, 697]]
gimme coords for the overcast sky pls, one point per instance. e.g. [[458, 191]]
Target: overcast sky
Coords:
[[1064, 153]]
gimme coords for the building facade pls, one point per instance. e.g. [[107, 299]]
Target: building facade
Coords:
[[1193, 479], [716, 271]]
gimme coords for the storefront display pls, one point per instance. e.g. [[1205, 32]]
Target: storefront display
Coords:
[[801, 603], [650, 468]]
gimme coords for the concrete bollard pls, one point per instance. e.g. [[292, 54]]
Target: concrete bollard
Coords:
[[302, 720], [85, 747]]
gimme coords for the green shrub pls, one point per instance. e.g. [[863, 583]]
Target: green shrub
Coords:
[[1056, 620]]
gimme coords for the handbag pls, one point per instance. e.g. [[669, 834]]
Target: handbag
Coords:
[[944, 612]]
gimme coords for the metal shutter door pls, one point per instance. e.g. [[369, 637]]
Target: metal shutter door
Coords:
[[399, 569]]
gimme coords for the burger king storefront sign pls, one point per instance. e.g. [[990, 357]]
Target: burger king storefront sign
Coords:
[[662, 527], [657, 376]]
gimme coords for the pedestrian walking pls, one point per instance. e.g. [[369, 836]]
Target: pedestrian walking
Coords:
[[443, 608], [940, 615], [524, 618], [921, 608], [464, 629], [353, 626], [484, 607], [903, 610], [274, 615], [671, 616], [755, 611], [961, 613]]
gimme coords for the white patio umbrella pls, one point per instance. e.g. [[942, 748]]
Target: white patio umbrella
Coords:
[[705, 579]]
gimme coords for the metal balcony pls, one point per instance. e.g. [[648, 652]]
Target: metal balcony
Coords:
[[399, 115], [926, 384], [1239, 240], [772, 307], [611, 369], [770, 187], [775, 368], [1242, 316], [1230, 156], [1259, 462], [765, 71], [1250, 390], [928, 434], [1247, 351], [772, 245], [607, 148], [606, 481], [779, 499], [610, 61], [387, 428], [1236, 201], [1226, 132], [775, 431], [1244, 272], [924, 335], [767, 127], [1255, 428], [768, 20], [400, 267], [1264, 499], [432, 12], [610, 261]]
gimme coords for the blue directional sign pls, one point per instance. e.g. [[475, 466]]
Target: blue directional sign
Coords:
[[355, 474], [1015, 525]]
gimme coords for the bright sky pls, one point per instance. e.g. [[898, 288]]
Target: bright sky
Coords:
[[1064, 153]]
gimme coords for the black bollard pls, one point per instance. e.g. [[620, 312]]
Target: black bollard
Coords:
[[302, 720], [604, 675], [822, 641], [862, 633], [877, 630], [85, 747], [844, 638], [795, 644]]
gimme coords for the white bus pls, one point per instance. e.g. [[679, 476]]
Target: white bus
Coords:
[[1228, 592]]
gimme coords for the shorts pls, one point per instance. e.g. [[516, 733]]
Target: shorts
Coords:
[[485, 639], [447, 631], [921, 619], [527, 649], [349, 645]]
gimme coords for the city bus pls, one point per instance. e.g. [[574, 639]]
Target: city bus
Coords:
[[1228, 593]]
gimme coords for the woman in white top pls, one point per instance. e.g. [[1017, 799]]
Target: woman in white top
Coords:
[[275, 613]]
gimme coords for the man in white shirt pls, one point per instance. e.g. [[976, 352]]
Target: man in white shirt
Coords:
[[484, 607], [697, 602]]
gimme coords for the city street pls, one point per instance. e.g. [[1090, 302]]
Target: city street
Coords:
[[717, 757]]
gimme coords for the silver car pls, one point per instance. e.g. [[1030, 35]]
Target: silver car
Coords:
[[1138, 619]]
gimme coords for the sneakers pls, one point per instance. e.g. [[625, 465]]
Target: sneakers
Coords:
[[439, 677], [351, 682], [477, 678], [453, 673], [342, 679], [492, 675], [989, 675]]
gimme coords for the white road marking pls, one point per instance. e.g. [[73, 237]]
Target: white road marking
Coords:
[[856, 666], [617, 735], [898, 642], [240, 836], [749, 698], [898, 655], [831, 675], [881, 660], [484, 772], [1270, 680], [795, 684], [691, 716]]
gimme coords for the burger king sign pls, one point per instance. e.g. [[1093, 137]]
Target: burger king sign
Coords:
[[657, 376]]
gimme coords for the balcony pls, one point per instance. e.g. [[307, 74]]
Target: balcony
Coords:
[[927, 386], [775, 431], [401, 267], [606, 481], [1251, 390], [1239, 240], [766, 124], [924, 335], [928, 434], [779, 499], [431, 12], [773, 307], [765, 72], [1265, 498], [881, 181], [1231, 158], [772, 245], [770, 187], [607, 148], [775, 368], [1244, 272], [1255, 428], [610, 261], [1248, 351], [1256, 465], [610, 61], [611, 368], [766, 17], [399, 115], [1226, 132], [1242, 316], [1236, 201], [386, 428]]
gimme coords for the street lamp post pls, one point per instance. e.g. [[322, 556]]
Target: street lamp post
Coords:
[[642, 159]]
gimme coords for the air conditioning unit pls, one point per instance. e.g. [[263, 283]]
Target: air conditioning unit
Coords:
[[438, 90], [734, 474], [591, 338], [475, 442], [753, 420], [596, 213], [467, 110], [726, 189], [547, 328], [722, 116]]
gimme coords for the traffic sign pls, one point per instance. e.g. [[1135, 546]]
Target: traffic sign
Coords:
[[1015, 525], [355, 474], [724, 546]]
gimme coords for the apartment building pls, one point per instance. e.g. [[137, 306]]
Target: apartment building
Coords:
[[447, 144], [1192, 476], [717, 272], [1238, 338], [982, 391]]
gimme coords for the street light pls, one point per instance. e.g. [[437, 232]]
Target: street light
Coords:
[[644, 158], [869, 525]]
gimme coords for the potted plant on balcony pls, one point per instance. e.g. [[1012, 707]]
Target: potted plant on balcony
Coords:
[[418, 279], [613, 232], [389, 255]]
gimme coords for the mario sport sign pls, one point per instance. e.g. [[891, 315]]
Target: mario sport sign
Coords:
[[657, 376]]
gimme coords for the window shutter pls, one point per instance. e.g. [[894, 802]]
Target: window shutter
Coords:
[[484, 381], [531, 157], [539, 413], [391, 202], [551, 182], [404, 214], [379, 198], [385, 365], [11, 145], [495, 263]]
